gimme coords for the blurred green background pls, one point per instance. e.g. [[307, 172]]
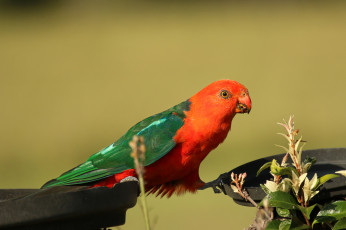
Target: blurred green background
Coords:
[[75, 75]]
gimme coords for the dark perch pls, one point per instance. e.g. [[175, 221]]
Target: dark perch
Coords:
[[328, 161], [67, 207], [77, 207]]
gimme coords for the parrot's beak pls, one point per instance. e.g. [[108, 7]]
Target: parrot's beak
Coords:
[[242, 108], [243, 105]]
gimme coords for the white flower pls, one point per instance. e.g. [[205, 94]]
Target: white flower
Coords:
[[297, 181], [234, 188], [285, 185], [342, 172], [271, 185], [309, 186]]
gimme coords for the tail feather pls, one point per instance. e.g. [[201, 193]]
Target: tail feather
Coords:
[[82, 174], [50, 183], [168, 189]]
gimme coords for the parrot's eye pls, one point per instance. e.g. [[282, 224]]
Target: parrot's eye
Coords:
[[225, 94]]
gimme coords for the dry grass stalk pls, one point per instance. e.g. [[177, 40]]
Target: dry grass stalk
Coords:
[[138, 154]]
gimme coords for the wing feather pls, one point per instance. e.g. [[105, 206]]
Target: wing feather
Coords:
[[158, 132]]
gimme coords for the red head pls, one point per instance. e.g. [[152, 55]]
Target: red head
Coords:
[[209, 119], [223, 99]]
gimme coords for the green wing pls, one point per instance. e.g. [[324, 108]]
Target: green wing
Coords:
[[158, 132]]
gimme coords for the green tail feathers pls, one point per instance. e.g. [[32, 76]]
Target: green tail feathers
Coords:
[[72, 176]]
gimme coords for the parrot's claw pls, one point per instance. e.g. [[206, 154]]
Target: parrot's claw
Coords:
[[129, 178], [218, 184]]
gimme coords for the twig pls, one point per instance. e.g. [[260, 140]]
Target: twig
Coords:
[[248, 198], [238, 180]]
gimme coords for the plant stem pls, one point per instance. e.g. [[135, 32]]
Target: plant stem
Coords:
[[306, 220], [242, 192], [247, 197], [144, 202], [138, 154], [301, 201]]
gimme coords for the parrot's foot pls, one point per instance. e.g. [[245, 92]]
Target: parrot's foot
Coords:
[[218, 184], [129, 178]]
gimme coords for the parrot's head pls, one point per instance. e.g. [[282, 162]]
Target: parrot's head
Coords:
[[224, 98]]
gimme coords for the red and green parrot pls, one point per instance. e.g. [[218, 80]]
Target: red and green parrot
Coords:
[[176, 140]]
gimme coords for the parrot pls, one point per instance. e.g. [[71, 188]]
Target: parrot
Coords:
[[176, 140]]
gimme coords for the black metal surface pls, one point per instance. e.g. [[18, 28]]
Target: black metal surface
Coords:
[[67, 207], [328, 161]]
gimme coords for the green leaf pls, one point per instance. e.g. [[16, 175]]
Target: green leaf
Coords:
[[273, 225], [285, 136], [311, 160], [281, 199], [307, 211], [341, 224], [299, 227], [324, 179], [331, 212], [284, 148], [265, 189], [276, 169], [283, 212], [308, 162], [287, 171], [297, 223], [285, 225], [266, 165]]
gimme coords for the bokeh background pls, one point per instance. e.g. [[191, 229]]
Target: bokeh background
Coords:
[[75, 75]]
